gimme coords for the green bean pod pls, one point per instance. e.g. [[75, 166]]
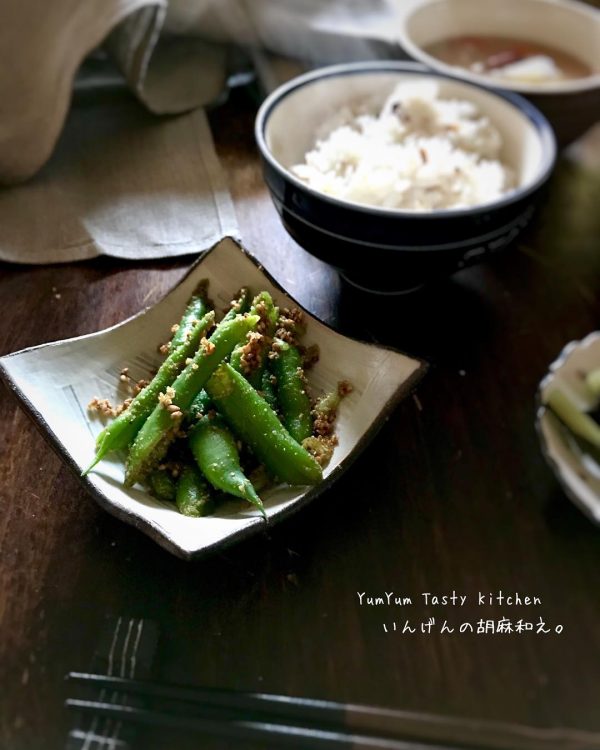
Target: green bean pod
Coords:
[[196, 308], [122, 430], [161, 427], [194, 496], [162, 485], [268, 390], [200, 406], [263, 306], [254, 422], [291, 390], [239, 305], [215, 450]]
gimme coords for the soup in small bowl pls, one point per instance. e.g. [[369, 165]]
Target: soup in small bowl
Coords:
[[546, 50], [510, 60]]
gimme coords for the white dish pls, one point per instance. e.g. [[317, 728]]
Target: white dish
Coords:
[[578, 473], [56, 381]]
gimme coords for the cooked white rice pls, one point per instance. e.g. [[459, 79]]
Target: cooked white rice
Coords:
[[420, 153]]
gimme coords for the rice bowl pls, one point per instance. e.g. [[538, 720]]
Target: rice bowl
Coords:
[[392, 250]]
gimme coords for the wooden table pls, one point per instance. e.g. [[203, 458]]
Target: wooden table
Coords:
[[453, 495]]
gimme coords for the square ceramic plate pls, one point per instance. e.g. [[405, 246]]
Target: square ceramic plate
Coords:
[[56, 381], [575, 468]]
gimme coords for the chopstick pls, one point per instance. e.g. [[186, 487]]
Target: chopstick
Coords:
[[281, 735], [255, 715]]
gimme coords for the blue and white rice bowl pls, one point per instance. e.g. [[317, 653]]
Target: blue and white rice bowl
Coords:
[[388, 249]]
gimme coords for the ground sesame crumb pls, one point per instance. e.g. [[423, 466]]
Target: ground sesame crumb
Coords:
[[166, 399], [102, 406], [310, 356], [290, 325], [251, 352], [344, 388]]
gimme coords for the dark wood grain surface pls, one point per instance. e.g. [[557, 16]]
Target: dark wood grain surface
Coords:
[[452, 495]]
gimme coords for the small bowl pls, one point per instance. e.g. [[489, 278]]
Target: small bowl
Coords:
[[390, 250], [55, 382], [572, 107], [575, 468]]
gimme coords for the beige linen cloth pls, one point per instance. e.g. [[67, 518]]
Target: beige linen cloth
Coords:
[[97, 171]]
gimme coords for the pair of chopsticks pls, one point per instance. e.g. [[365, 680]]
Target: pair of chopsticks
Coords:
[[303, 723]]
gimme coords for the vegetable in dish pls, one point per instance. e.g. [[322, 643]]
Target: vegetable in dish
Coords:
[[228, 413], [125, 427], [579, 422]]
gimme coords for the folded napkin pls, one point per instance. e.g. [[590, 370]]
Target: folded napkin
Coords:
[[120, 182], [174, 58], [41, 45], [104, 175]]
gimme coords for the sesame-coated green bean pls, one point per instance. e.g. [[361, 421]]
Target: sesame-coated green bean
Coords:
[[239, 304], [199, 407], [250, 357], [122, 430], [292, 396], [163, 424], [162, 485], [194, 496], [254, 422], [268, 390], [215, 450], [196, 308]]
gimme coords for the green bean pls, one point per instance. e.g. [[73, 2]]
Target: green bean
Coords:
[[200, 406], [293, 399], [214, 448], [122, 430], [253, 420], [196, 308], [291, 325], [193, 495], [253, 366], [268, 390], [162, 485], [161, 427], [239, 304], [580, 423]]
